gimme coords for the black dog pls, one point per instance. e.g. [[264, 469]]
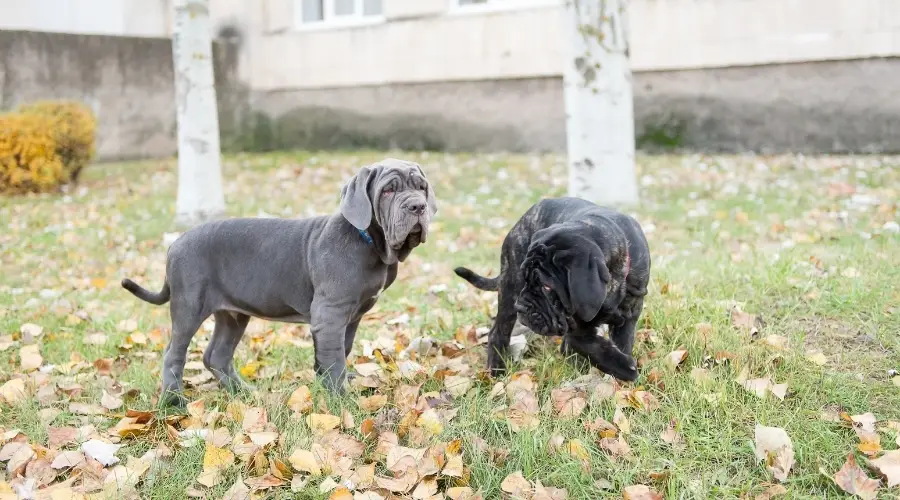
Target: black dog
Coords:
[[566, 267]]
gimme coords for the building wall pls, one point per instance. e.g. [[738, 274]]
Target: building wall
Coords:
[[709, 74]]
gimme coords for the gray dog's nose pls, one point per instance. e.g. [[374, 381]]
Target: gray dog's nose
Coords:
[[416, 207]]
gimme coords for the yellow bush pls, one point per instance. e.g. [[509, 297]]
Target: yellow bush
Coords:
[[74, 127], [29, 161]]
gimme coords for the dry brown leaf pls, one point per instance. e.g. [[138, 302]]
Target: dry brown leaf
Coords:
[[852, 479], [86, 409], [771, 492], [515, 484], [30, 357], [426, 489], [400, 484], [889, 467], [340, 493], [616, 447], [777, 450], [111, 402], [621, 421], [372, 403], [67, 459], [460, 493], [300, 400], [13, 391], [19, 459], [568, 403], [542, 492], [238, 491], [747, 322], [254, 420], [264, 482], [61, 436], [776, 341], [640, 492], [670, 435], [457, 385], [676, 357]]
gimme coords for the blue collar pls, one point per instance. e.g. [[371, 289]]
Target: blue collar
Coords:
[[365, 235]]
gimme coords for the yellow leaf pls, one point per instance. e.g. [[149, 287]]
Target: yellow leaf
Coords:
[[321, 423], [217, 458], [305, 461], [817, 358], [98, 283], [250, 369], [373, 403], [340, 493], [576, 448], [431, 422]]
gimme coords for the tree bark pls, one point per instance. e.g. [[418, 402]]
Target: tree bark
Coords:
[[200, 194], [599, 103]]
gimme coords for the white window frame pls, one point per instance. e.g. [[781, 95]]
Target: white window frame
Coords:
[[331, 21], [499, 6]]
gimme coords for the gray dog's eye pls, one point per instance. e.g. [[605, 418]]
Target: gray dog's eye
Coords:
[[387, 191]]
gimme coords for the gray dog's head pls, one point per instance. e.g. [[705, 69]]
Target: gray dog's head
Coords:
[[394, 202]]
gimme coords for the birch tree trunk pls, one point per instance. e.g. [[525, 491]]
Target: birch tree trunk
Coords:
[[200, 194], [599, 103]]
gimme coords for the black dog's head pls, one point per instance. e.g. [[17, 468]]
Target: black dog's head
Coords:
[[565, 278]]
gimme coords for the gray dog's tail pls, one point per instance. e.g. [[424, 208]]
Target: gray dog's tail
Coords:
[[480, 282], [146, 295]]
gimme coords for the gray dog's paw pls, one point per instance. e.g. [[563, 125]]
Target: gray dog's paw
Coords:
[[172, 399]]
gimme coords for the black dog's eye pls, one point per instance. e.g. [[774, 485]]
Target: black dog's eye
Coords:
[[547, 288]]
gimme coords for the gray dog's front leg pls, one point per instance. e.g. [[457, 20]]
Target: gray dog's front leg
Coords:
[[328, 325]]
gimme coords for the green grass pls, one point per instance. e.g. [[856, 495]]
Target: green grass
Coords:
[[722, 230]]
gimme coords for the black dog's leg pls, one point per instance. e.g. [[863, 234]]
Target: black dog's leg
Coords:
[[603, 354], [623, 334], [498, 337], [328, 325], [219, 355]]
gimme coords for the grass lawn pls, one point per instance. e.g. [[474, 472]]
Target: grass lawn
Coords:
[[776, 276]]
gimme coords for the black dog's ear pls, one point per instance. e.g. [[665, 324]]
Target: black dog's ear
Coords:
[[356, 206], [587, 276]]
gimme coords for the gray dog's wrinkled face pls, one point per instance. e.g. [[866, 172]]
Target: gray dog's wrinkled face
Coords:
[[564, 278], [393, 200]]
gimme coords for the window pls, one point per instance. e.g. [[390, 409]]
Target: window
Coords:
[[488, 5], [338, 12]]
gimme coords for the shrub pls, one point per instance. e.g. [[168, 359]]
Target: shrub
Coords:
[[29, 161], [74, 127]]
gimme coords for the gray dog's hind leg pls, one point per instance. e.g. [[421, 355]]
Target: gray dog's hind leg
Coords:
[[219, 355], [328, 326], [185, 323]]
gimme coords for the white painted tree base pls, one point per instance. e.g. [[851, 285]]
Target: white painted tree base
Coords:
[[599, 103], [200, 194]]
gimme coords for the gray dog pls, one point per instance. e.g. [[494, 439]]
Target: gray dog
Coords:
[[326, 271], [566, 267]]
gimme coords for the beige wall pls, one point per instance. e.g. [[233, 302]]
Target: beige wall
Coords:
[[425, 41]]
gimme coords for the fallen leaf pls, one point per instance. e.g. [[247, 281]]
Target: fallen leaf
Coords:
[[677, 357], [215, 460], [515, 484], [254, 419], [340, 493], [30, 357], [621, 421], [817, 358], [31, 330], [61, 436], [747, 322], [670, 435], [101, 451], [771, 492], [13, 391], [95, 339], [372, 403], [460, 493], [321, 423], [889, 467], [775, 447], [700, 375], [616, 447], [640, 492], [264, 482], [300, 400], [86, 409], [431, 422], [67, 459], [19, 459], [457, 385], [852, 479], [305, 461], [425, 489], [110, 402], [238, 491], [776, 341], [542, 492]]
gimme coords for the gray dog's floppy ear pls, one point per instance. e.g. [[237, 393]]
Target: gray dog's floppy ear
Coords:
[[356, 206], [429, 193], [587, 276]]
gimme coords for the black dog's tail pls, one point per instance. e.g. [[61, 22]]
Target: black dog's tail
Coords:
[[146, 295], [480, 282]]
